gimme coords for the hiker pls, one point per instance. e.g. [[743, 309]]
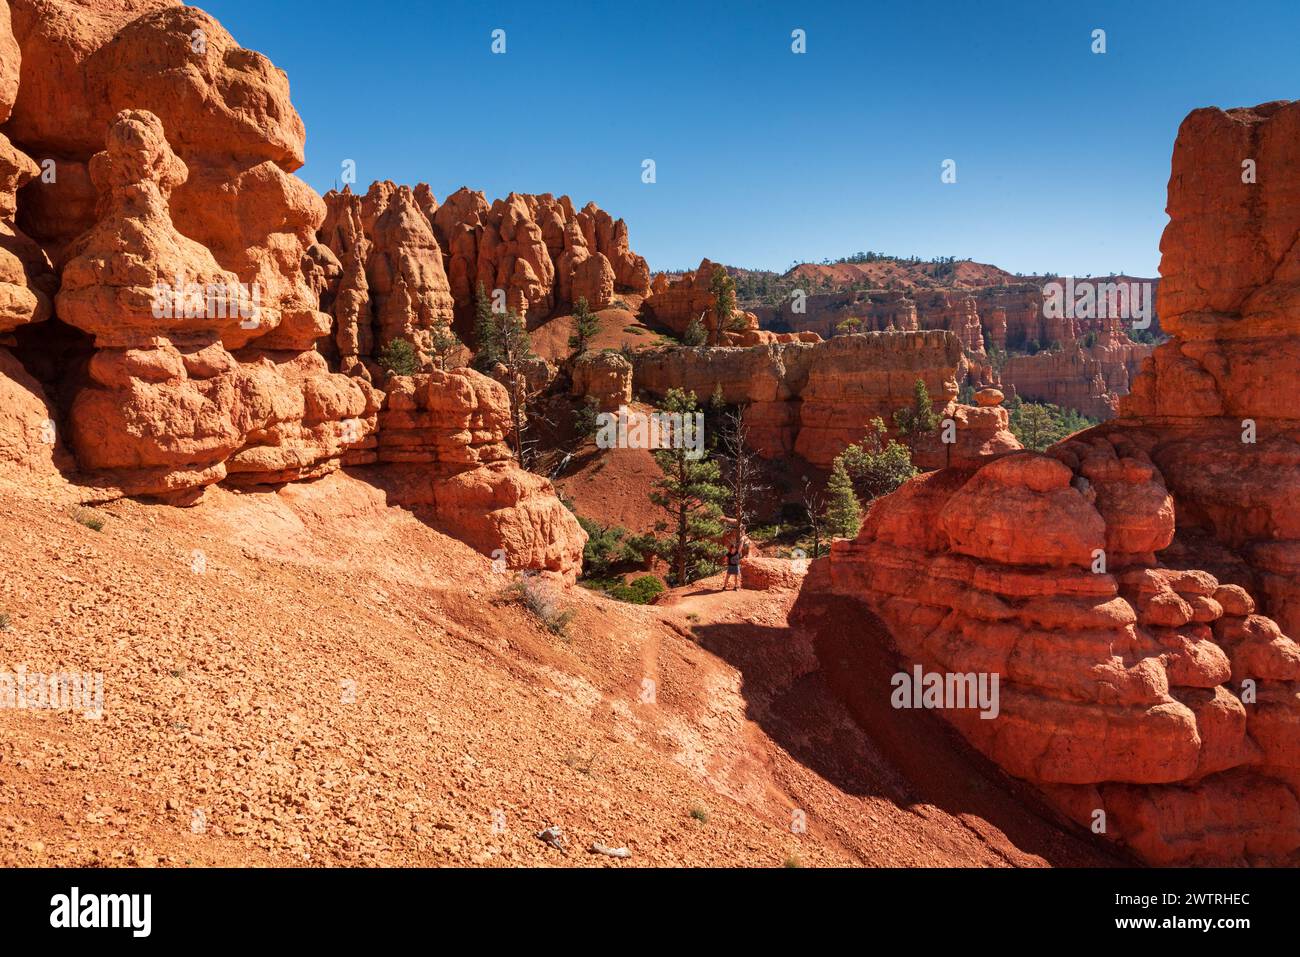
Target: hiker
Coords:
[[733, 566]]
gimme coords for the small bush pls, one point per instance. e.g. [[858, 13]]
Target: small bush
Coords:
[[4, 621], [538, 598], [642, 591], [586, 421], [399, 358], [612, 547], [695, 334], [89, 518], [700, 814]]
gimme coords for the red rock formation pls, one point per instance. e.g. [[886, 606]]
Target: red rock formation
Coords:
[[605, 377], [1142, 687], [169, 409], [675, 305], [769, 574], [976, 432], [536, 249], [442, 445], [1088, 378], [25, 279], [1087, 363], [1229, 299], [30, 444], [810, 399]]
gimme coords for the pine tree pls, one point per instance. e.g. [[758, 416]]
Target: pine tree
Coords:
[[513, 348], [443, 344], [695, 334], [1035, 426], [878, 465], [399, 358], [723, 288], [585, 327], [920, 418], [742, 473], [486, 353], [843, 515], [690, 492]]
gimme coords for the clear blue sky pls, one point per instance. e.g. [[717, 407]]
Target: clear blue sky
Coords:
[[763, 156]]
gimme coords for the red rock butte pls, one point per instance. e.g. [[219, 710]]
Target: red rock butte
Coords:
[[1134, 587]]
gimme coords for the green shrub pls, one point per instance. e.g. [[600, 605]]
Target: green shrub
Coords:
[[877, 464], [695, 334], [89, 518], [920, 418], [642, 591], [540, 600], [611, 547], [399, 358], [586, 419]]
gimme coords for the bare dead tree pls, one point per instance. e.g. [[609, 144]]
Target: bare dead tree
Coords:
[[741, 473], [814, 504]]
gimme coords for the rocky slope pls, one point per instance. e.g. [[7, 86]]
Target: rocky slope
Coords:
[[1121, 584]]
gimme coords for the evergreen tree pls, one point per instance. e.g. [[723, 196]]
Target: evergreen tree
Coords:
[[486, 354], [878, 465], [513, 348], [920, 418], [843, 516], [586, 419], [585, 327], [399, 358], [723, 288], [444, 344], [691, 493], [695, 334]]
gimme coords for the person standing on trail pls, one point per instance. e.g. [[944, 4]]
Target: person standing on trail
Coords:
[[733, 566]]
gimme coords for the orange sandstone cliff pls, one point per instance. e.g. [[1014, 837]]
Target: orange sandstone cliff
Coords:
[[163, 290], [1133, 588]]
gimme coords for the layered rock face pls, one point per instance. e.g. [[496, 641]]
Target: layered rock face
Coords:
[[1086, 364], [169, 408], [442, 447], [1125, 587], [539, 251], [1215, 404], [675, 305], [1088, 378], [811, 399], [605, 378]]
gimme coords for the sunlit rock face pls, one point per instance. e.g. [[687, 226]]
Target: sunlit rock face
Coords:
[[1134, 587]]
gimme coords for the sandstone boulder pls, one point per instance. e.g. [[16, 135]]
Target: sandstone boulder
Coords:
[[605, 377]]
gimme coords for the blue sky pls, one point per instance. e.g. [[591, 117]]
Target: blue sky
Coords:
[[764, 157]]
